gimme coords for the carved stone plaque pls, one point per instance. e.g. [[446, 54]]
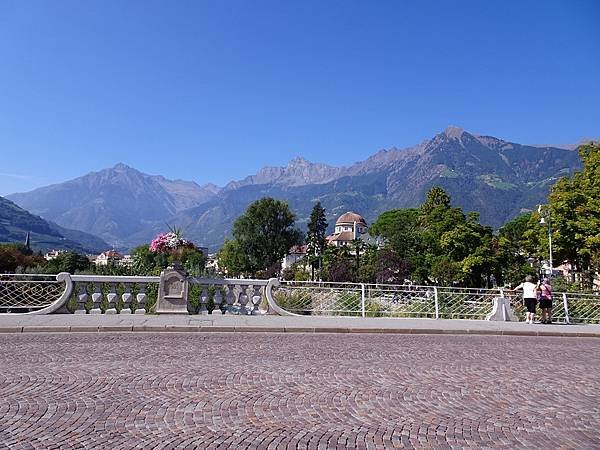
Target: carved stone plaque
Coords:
[[172, 293]]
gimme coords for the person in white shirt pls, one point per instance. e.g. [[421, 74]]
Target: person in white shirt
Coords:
[[529, 297]]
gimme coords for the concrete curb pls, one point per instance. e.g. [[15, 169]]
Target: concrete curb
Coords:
[[258, 329]]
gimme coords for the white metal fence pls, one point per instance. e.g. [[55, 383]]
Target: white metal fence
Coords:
[[384, 300]]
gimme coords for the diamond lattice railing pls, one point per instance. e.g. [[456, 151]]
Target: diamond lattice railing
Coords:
[[465, 303], [399, 301], [337, 299], [583, 308]]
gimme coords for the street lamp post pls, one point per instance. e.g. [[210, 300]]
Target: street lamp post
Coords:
[[547, 220]]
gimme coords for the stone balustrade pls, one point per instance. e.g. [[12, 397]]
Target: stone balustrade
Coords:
[[118, 295], [234, 296], [95, 294]]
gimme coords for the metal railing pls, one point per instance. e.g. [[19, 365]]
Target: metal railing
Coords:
[[25, 293], [435, 302], [582, 308]]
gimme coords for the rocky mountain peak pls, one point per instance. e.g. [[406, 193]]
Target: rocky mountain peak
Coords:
[[122, 167], [299, 161], [453, 132]]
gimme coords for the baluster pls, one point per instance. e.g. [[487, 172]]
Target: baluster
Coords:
[[243, 299], [204, 301], [230, 298], [96, 298], [141, 300], [218, 299], [126, 297], [256, 299], [111, 297], [82, 298]]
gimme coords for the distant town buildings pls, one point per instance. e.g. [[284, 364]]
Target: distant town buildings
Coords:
[[111, 258], [297, 253], [53, 254], [212, 262], [108, 258]]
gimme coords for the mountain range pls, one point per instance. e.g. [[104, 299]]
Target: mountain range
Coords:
[[497, 178], [15, 223]]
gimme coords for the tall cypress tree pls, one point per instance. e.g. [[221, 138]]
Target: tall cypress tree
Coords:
[[315, 238]]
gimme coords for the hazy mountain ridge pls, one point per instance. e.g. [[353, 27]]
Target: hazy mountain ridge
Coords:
[[114, 203], [297, 173], [15, 223], [494, 177]]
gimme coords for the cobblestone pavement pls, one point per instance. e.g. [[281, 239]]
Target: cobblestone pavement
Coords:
[[327, 391]]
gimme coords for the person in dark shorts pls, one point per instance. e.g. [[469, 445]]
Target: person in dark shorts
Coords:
[[529, 297], [546, 301]]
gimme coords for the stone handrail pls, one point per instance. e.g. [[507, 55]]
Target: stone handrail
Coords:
[[128, 294]]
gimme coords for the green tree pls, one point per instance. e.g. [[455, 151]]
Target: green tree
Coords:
[[338, 265], [436, 198], [390, 267], [444, 270], [400, 230], [146, 262], [262, 236], [68, 262], [439, 226], [575, 212], [296, 272], [193, 261], [518, 245], [440, 243], [231, 257], [316, 237]]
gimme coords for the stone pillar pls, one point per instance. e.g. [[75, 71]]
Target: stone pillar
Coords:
[[172, 292], [502, 311]]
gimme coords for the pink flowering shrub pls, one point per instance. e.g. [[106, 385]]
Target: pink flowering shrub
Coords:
[[169, 243]]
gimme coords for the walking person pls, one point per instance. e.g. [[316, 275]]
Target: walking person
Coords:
[[546, 301], [529, 297]]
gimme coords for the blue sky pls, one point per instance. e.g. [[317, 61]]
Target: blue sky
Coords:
[[212, 91]]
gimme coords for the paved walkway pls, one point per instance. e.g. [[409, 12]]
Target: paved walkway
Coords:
[[297, 391], [113, 323]]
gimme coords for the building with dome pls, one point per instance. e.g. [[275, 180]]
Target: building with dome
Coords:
[[348, 227]]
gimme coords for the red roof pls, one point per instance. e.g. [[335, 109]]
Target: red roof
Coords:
[[112, 254], [343, 236], [298, 249]]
